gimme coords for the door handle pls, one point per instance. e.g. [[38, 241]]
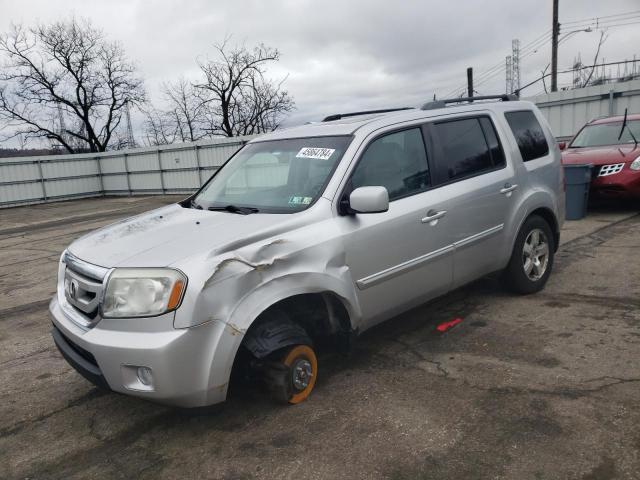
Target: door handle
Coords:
[[432, 216], [508, 188]]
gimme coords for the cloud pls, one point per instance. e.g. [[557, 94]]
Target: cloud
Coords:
[[338, 55]]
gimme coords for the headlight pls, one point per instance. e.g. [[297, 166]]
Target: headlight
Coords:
[[143, 292], [635, 165]]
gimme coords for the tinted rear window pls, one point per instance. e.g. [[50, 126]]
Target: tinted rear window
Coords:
[[529, 134], [464, 149]]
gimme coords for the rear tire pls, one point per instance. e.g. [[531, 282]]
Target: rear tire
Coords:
[[532, 257], [292, 373]]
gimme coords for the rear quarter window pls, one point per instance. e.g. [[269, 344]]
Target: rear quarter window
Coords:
[[529, 134]]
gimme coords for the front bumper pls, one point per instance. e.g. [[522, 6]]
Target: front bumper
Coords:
[[623, 184], [190, 367], [84, 363]]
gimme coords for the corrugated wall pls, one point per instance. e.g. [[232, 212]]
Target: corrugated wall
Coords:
[[567, 111], [167, 169]]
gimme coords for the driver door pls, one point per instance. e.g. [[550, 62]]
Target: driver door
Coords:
[[398, 258]]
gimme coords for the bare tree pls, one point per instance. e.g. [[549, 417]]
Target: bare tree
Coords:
[[543, 74], [67, 83], [187, 110], [184, 119], [234, 98], [603, 38], [158, 129], [240, 99]]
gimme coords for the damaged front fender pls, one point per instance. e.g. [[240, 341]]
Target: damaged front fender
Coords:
[[235, 285]]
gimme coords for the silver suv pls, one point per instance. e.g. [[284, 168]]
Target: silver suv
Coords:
[[306, 237]]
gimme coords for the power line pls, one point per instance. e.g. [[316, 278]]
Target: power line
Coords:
[[535, 45], [498, 68], [504, 65], [593, 19], [599, 23], [583, 67], [622, 24], [538, 47], [479, 77], [603, 21], [603, 25]]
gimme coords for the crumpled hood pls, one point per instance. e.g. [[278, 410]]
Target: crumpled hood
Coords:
[[600, 155], [162, 237]]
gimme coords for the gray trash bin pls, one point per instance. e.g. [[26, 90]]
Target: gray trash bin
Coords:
[[577, 180]]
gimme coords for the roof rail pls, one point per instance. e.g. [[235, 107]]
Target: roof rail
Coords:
[[443, 103], [338, 116]]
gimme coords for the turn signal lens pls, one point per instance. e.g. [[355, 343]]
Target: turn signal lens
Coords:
[[176, 295]]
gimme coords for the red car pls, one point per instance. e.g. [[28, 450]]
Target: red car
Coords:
[[611, 146]]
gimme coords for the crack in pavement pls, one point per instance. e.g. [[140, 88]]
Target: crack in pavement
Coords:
[[568, 392], [579, 246], [50, 349], [421, 356], [623, 303], [19, 426], [112, 447], [25, 308]]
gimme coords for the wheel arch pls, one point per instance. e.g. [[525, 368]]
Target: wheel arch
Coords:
[[343, 313], [548, 215], [540, 204], [318, 314]]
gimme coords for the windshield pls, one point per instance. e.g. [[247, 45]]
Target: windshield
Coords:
[[606, 134], [280, 176]]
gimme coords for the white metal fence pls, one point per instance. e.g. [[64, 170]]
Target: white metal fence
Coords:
[[568, 110], [183, 168], [180, 168]]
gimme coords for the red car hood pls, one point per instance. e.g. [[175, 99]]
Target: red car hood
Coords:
[[600, 155]]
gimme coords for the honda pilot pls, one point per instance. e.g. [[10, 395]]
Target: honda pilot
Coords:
[[304, 239]]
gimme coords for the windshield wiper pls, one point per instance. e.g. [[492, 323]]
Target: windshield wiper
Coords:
[[194, 204], [234, 209], [625, 124]]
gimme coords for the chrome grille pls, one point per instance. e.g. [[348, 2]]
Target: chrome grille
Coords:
[[82, 292], [83, 287], [607, 170]]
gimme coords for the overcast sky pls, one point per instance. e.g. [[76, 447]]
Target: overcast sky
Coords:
[[347, 55]]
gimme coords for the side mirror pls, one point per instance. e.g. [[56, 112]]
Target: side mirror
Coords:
[[369, 200], [562, 145]]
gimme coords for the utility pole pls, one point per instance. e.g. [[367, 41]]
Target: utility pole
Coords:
[[555, 31], [470, 82]]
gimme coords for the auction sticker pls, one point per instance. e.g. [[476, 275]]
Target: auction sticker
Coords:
[[315, 152], [293, 200]]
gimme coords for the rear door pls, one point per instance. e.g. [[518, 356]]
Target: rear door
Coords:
[[470, 165]]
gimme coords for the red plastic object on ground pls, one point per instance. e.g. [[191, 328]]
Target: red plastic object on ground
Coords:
[[444, 326]]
